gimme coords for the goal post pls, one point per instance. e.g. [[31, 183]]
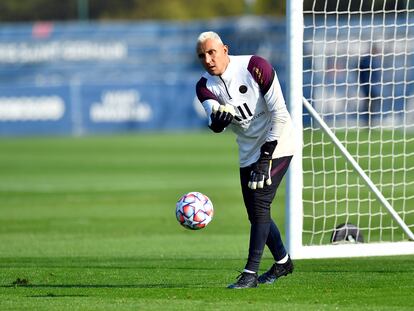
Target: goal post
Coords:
[[294, 183], [350, 91]]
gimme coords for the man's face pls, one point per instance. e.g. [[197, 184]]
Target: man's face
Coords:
[[213, 55]]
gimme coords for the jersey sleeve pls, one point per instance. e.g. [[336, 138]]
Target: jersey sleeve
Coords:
[[266, 78], [206, 97]]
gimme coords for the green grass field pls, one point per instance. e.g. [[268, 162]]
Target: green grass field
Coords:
[[89, 224]]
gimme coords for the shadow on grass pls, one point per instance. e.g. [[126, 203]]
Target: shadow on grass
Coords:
[[119, 286], [129, 263], [51, 295]]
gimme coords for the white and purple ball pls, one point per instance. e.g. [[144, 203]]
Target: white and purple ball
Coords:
[[194, 210]]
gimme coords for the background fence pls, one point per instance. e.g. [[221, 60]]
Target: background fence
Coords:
[[80, 78], [75, 78]]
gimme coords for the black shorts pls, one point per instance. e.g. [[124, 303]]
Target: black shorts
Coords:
[[258, 201]]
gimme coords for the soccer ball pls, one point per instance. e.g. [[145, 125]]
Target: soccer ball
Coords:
[[194, 210]]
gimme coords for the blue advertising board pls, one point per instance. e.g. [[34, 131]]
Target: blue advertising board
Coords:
[[35, 110], [80, 78]]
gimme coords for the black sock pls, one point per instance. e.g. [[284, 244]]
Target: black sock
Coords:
[[275, 243], [258, 235]]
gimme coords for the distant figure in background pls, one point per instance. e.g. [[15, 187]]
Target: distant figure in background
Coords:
[[243, 93], [370, 82]]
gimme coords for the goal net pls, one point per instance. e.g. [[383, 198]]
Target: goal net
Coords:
[[358, 76]]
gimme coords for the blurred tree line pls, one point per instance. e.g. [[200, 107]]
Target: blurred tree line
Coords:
[[35, 10]]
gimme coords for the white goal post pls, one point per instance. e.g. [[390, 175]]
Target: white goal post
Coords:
[[350, 91]]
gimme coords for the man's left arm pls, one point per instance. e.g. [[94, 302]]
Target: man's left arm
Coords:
[[269, 85]]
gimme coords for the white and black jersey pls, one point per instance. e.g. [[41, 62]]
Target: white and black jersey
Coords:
[[251, 86]]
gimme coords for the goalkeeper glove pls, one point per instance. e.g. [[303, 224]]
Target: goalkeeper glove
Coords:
[[260, 173], [221, 118]]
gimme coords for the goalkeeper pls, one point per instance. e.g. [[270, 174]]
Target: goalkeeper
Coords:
[[244, 94]]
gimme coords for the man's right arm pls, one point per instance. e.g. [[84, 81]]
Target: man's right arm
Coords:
[[220, 116]]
